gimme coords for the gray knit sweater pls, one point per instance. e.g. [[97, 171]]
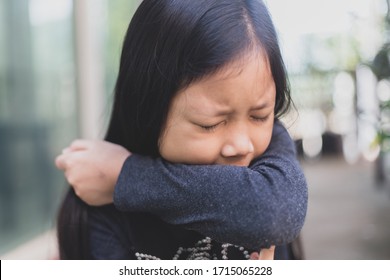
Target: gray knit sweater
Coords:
[[255, 207]]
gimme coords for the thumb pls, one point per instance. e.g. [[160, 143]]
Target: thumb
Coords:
[[267, 254], [254, 256]]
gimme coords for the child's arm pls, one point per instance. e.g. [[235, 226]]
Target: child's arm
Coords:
[[255, 207]]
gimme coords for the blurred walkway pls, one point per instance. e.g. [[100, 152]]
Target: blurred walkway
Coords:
[[348, 215]]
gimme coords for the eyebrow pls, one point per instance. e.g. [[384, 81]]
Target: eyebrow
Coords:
[[224, 112], [259, 107]]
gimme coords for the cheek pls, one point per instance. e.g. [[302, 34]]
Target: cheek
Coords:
[[189, 153], [262, 139], [180, 145]]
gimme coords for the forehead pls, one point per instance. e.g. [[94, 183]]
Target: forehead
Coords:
[[243, 83], [251, 65], [248, 75]]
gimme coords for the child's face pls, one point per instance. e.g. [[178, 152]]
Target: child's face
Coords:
[[226, 118]]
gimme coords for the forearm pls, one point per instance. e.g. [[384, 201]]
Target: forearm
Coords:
[[255, 207]]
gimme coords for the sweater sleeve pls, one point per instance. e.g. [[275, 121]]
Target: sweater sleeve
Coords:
[[257, 206]]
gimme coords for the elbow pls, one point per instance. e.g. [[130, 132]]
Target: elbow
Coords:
[[281, 228], [290, 215], [287, 226], [275, 233], [282, 221]]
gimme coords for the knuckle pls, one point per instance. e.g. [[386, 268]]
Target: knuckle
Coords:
[[78, 192], [72, 180], [58, 162]]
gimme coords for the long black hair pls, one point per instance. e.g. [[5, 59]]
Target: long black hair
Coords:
[[170, 44]]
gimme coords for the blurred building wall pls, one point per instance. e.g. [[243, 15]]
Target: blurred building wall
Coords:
[[57, 71], [38, 115]]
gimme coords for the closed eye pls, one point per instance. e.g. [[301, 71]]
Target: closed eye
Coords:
[[260, 119], [210, 128]]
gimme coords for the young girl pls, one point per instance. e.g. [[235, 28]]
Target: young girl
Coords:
[[200, 87]]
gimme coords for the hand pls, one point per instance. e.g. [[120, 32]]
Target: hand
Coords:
[[265, 254], [92, 168]]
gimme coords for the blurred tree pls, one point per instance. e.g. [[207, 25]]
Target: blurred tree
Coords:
[[381, 63], [381, 68]]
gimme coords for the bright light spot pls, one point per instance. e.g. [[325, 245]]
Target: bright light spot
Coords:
[[383, 90], [312, 146], [343, 96], [312, 123], [367, 134], [350, 148], [366, 84]]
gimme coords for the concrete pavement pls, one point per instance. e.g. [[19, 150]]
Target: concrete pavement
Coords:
[[348, 215]]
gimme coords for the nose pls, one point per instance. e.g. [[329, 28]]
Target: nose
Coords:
[[238, 143]]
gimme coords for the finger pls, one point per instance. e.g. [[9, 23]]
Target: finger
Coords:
[[80, 144], [60, 162], [267, 254], [254, 256]]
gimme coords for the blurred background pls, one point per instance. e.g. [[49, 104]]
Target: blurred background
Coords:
[[58, 64]]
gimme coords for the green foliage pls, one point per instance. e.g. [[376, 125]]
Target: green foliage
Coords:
[[381, 68], [381, 63]]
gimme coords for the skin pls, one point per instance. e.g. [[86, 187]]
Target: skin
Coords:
[[226, 118]]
